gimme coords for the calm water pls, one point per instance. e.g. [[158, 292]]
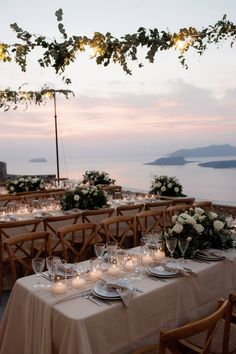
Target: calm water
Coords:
[[218, 185]]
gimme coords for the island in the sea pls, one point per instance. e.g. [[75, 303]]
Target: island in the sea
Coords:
[[219, 164], [169, 161], [38, 159], [177, 158]]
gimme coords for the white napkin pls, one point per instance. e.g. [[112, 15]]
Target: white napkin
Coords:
[[126, 293]]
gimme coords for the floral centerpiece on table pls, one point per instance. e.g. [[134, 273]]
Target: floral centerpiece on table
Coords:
[[202, 229], [97, 177], [84, 197], [166, 186], [25, 184]]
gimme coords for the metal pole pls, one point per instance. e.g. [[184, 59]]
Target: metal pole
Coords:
[[56, 136]]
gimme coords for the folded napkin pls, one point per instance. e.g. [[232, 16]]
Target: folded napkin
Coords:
[[182, 270], [125, 291]]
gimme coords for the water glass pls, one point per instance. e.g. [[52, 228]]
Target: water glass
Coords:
[[51, 265], [171, 244], [183, 246], [111, 248], [38, 266], [99, 249]]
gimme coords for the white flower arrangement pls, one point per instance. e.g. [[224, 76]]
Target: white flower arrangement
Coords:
[[84, 197], [97, 177], [166, 186], [203, 230], [25, 184]]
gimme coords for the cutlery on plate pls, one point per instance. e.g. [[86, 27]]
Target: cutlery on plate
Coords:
[[89, 297]]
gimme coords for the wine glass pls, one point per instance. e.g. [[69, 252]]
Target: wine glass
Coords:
[[183, 245], [38, 266], [171, 244], [99, 249], [51, 265]]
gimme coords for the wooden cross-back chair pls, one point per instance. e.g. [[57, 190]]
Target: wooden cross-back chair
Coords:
[[175, 210], [114, 190], [161, 205], [175, 341], [21, 250], [54, 223], [87, 235], [204, 204], [121, 229], [6, 199], [183, 201], [97, 217], [149, 221], [129, 209], [8, 230]]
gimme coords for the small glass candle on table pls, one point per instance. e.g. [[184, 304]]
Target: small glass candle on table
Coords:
[[95, 271], [58, 288]]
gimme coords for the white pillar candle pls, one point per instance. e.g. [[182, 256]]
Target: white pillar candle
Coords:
[[113, 270], [78, 283], [58, 288], [129, 266], [147, 259], [95, 274]]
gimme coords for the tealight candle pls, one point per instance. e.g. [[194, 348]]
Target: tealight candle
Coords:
[[129, 266], [58, 288], [78, 282], [95, 274], [159, 255], [113, 271], [147, 259]]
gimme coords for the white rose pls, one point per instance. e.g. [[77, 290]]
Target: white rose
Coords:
[[178, 228], [176, 189], [169, 185], [12, 188], [218, 225], [21, 179], [85, 191], [41, 186], [189, 238], [106, 178], [163, 188], [15, 182], [174, 218], [199, 211], [199, 228], [158, 184], [212, 215], [76, 197]]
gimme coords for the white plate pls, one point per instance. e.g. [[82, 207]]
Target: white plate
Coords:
[[104, 297], [100, 289], [161, 272], [209, 257]]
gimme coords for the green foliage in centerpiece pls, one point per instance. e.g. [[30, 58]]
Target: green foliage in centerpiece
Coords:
[[202, 229], [84, 197], [25, 184], [97, 177], [166, 186]]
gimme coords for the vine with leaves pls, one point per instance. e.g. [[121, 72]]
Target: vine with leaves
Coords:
[[10, 99], [107, 48]]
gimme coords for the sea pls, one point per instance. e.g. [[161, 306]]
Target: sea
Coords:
[[131, 172]]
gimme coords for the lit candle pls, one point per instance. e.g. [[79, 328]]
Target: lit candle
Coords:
[[95, 274], [129, 266], [147, 259], [159, 255], [113, 271], [58, 288], [78, 282]]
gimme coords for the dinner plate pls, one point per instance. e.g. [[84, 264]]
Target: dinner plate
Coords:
[[209, 257], [104, 297], [100, 289], [162, 273]]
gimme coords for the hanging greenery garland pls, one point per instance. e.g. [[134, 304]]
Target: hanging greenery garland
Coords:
[[10, 99], [107, 48]]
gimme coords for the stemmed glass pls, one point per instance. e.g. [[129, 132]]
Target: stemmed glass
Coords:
[[171, 244], [183, 245], [51, 265], [38, 266], [99, 249]]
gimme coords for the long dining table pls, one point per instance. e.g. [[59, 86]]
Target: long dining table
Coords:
[[38, 322]]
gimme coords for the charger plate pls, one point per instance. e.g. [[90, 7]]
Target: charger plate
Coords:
[[101, 290], [162, 273]]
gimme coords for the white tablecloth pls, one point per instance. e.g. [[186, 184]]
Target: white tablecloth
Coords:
[[36, 322]]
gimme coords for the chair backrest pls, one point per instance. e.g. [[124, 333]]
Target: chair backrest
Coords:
[[97, 217], [6, 199], [121, 229], [130, 210], [184, 201], [87, 234], [175, 210], [150, 221], [114, 190], [161, 205], [204, 204], [174, 339], [54, 223], [21, 250]]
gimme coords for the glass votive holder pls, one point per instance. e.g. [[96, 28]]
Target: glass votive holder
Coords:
[[78, 279], [95, 269], [129, 266], [113, 268], [147, 256], [58, 288]]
